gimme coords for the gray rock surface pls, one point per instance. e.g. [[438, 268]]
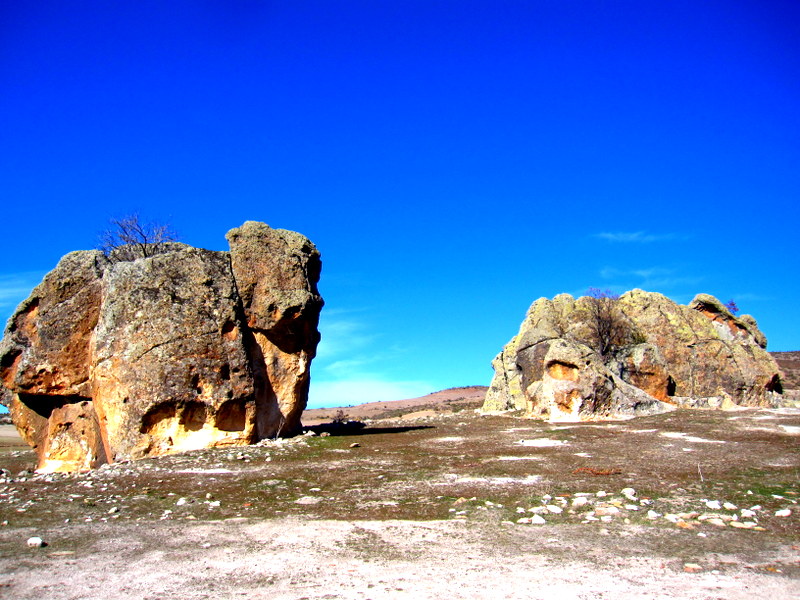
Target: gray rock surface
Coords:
[[185, 349], [661, 355]]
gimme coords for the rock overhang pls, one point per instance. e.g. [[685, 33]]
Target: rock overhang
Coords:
[[116, 359], [664, 355]]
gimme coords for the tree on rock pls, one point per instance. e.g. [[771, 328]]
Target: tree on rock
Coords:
[[128, 238], [608, 326]]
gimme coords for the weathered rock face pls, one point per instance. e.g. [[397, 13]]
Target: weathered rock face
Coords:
[[660, 355], [182, 350]]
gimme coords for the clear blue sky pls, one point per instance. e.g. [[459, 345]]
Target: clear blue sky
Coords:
[[452, 160]]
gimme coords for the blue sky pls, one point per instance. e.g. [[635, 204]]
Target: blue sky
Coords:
[[452, 160]]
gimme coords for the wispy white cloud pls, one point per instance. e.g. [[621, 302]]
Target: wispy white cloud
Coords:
[[651, 278], [15, 287], [354, 364], [751, 297], [342, 335], [638, 237]]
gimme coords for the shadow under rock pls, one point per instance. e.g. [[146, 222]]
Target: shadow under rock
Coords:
[[359, 428]]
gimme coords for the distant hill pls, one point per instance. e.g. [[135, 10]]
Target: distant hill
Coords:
[[789, 362], [450, 400]]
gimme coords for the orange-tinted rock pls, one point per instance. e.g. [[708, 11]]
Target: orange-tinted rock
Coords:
[[46, 348], [282, 307], [709, 353], [128, 359], [664, 355]]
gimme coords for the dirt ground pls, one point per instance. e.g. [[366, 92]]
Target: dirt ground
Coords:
[[691, 504]]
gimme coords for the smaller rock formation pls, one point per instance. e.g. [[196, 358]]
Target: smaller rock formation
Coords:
[[116, 357], [606, 358]]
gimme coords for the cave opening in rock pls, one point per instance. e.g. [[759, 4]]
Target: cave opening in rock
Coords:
[[231, 416], [44, 404]]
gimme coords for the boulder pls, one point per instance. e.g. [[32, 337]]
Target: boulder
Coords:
[[5, 395], [113, 359], [599, 358]]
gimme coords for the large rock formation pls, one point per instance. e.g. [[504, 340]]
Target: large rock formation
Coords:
[[112, 359], [595, 358]]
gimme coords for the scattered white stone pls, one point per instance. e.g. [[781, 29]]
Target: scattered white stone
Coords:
[[113, 509], [308, 500], [631, 507], [629, 493], [554, 509], [520, 509], [580, 501], [689, 438], [783, 512], [729, 506], [746, 513], [524, 521], [672, 518], [35, 542], [546, 497], [757, 507], [606, 511], [205, 471], [601, 494], [713, 504], [181, 502], [651, 514], [542, 443], [538, 520], [743, 524]]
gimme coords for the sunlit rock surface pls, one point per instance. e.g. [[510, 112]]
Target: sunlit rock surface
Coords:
[[183, 350], [666, 355]]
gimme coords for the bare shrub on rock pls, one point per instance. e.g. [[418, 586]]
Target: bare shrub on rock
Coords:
[[128, 238], [608, 326]]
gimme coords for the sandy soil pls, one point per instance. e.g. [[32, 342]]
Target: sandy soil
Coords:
[[295, 559], [9, 436], [426, 507]]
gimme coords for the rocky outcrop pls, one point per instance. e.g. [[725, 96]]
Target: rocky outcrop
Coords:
[[186, 349], [595, 358]]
